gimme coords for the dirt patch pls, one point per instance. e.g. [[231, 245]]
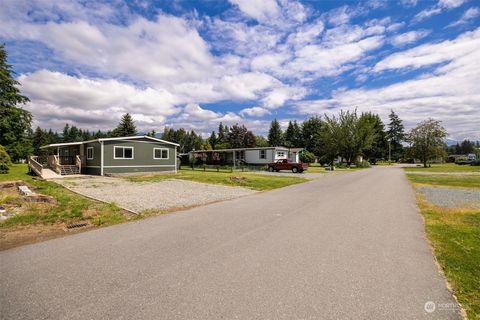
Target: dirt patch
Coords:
[[35, 233], [238, 179]]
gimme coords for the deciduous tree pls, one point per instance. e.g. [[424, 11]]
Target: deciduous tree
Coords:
[[427, 140]]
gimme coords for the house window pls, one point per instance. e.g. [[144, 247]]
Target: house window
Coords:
[[160, 153], [280, 154], [263, 154], [123, 152], [90, 153]]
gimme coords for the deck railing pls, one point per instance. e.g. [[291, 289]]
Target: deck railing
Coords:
[[54, 163], [34, 165]]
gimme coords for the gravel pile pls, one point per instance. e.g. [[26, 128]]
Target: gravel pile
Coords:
[[452, 197], [167, 194]]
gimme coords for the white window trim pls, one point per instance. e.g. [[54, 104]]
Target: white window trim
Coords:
[[280, 153], [92, 153], [264, 154], [124, 147], [168, 153]]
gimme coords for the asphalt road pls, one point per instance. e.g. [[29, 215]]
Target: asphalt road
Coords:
[[347, 246]]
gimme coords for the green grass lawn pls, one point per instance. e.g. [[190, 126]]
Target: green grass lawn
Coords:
[[455, 235], [70, 207], [444, 167], [467, 181], [241, 179]]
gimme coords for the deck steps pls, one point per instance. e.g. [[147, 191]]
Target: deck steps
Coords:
[[68, 170]]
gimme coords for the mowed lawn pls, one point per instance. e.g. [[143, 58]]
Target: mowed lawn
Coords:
[[444, 167], [467, 181], [239, 179], [455, 235]]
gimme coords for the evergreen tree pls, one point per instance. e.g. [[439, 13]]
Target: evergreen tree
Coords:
[[275, 135], [126, 127], [213, 140], [39, 138], [289, 135], [152, 133], [222, 133], [395, 136], [297, 135], [15, 122], [249, 140]]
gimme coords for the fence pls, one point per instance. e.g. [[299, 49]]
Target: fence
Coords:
[[223, 168]]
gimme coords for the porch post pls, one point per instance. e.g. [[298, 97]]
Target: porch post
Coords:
[[234, 160], [101, 158]]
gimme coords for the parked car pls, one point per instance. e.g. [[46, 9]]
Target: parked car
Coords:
[[285, 165]]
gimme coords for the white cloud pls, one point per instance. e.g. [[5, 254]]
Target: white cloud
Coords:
[[259, 10], [438, 8], [408, 3], [467, 16], [195, 111], [59, 97], [331, 61], [409, 37], [429, 54], [450, 93], [451, 4], [255, 111]]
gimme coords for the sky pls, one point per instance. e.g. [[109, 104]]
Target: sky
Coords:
[[194, 64]]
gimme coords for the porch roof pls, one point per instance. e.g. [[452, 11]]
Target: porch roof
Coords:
[[66, 144]]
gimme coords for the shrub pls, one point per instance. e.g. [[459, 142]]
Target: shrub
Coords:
[[362, 164], [307, 157], [5, 160], [475, 163]]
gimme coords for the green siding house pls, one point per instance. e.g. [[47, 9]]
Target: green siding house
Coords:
[[106, 156]]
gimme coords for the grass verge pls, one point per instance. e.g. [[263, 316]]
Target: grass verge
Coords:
[[31, 219], [240, 179], [455, 236], [444, 167], [466, 181]]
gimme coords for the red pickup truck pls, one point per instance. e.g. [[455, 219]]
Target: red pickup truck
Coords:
[[285, 165]]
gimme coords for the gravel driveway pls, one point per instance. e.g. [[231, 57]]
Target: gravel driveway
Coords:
[[452, 197], [167, 194]]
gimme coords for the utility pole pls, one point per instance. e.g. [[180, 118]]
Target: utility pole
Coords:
[[389, 150]]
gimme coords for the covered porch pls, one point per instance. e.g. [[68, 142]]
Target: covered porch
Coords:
[[58, 159]]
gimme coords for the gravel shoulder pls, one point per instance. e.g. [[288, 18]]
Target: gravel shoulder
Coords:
[[162, 195], [452, 197]]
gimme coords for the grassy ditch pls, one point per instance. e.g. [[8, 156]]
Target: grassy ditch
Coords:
[[455, 236]]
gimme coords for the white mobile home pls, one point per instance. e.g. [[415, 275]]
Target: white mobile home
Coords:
[[252, 156]]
